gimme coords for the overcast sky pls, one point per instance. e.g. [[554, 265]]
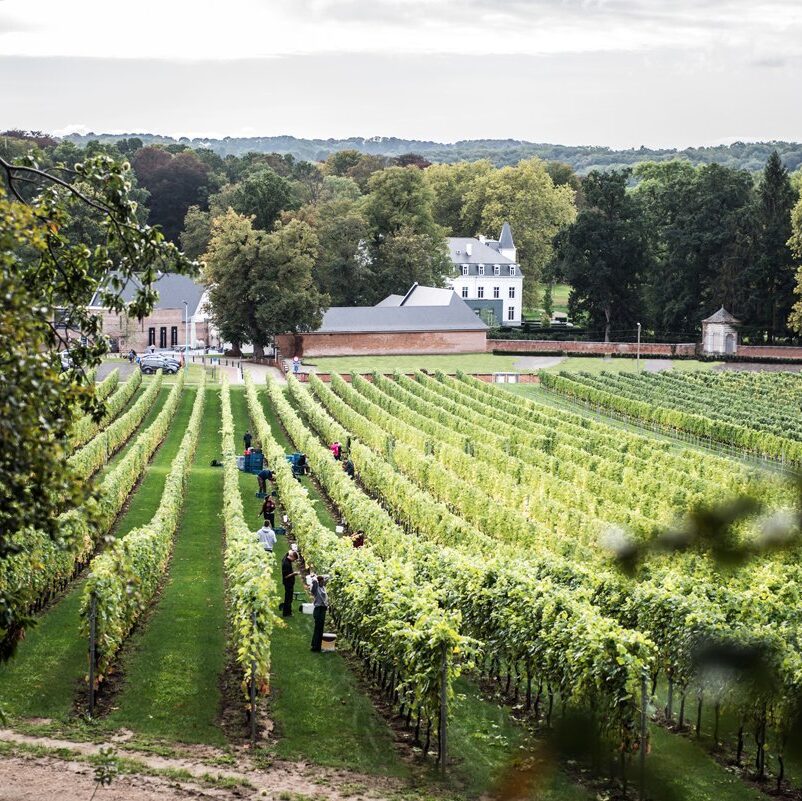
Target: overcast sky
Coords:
[[616, 72]]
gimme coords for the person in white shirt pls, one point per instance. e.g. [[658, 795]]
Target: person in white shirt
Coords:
[[267, 537]]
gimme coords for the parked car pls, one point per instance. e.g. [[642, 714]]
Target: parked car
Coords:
[[151, 362], [66, 360]]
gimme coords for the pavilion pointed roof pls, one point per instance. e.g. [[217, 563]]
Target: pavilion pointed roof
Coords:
[[722, 316]]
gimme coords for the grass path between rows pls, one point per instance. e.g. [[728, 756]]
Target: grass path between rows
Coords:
[[318, 710], [149, 417], [51, 662], [172, 668]]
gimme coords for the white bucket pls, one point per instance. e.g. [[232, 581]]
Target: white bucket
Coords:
[[307, 609], [329, 642]]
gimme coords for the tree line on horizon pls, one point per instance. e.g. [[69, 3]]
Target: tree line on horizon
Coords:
[[583, 159], [282, 239]]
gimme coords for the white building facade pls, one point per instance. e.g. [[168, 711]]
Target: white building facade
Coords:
[[720, 333], [487, 277]]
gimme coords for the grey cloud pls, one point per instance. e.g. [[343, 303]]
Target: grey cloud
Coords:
[[671, 98], [770, 63], [501, 13], [11, 24]]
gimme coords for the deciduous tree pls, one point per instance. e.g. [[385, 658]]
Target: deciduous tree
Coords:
[[175, 183], [526, 198], [604, 254], [261, 284]]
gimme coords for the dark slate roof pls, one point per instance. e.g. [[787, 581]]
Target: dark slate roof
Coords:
[[173, 290], [505, 240], [481, 252], [722, 316], [456, 316]]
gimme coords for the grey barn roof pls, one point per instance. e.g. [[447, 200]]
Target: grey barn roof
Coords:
[[173, 290], [722, 316], [386, 318]]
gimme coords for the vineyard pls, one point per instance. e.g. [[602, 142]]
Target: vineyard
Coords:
[[511, 568], [755, 412]]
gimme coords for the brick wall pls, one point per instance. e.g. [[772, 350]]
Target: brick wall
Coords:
[[133, 333], [430, 342], [779, 352], [527, 346]]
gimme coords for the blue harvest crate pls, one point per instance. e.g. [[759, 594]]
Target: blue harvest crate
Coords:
[[253, 462]]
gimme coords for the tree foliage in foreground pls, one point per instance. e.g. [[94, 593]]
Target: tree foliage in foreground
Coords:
[[47, 280]]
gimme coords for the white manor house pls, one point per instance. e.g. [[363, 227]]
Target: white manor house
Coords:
[[487, 276]]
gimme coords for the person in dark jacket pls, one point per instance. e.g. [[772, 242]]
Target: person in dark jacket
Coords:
[[288, 574], [348, 466], [268, 511], [263, 476], [247, 438], [321, 604]]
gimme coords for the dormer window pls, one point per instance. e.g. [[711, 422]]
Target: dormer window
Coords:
[[512, 269], [496, 269], [464, 269], [481, 269]]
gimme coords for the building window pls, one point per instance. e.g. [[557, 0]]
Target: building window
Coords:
[[496, 292], [510, 312], [464, 269], [163, 337], [480, 293], [465, 292], [512, 269], [481, 269], [496, 269], [151, 336], [512, 292], [174, 336]]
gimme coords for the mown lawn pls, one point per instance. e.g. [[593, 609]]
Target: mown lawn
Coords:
[[49, 668], [467, 362], [173, 665], [590, 364]]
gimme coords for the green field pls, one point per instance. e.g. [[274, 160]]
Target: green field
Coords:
[[484, 363], [467, 362]]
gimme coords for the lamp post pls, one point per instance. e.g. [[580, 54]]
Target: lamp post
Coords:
[[186, 335], [637, 358]]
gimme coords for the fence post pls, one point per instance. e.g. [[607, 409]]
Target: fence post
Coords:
[[92, 651], [443, 708], [253, 688], [644, 733]]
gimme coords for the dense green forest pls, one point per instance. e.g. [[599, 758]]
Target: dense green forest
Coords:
[[749, 156], [281, 239]]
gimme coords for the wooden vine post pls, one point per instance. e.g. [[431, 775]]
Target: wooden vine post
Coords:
[[443, 708], [92, 652], [253, 687], [644, 733]]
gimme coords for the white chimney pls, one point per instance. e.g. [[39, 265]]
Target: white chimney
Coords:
[[482, 238], [469, 248]]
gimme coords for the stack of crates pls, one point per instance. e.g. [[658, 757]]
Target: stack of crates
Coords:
[[253, 462]]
